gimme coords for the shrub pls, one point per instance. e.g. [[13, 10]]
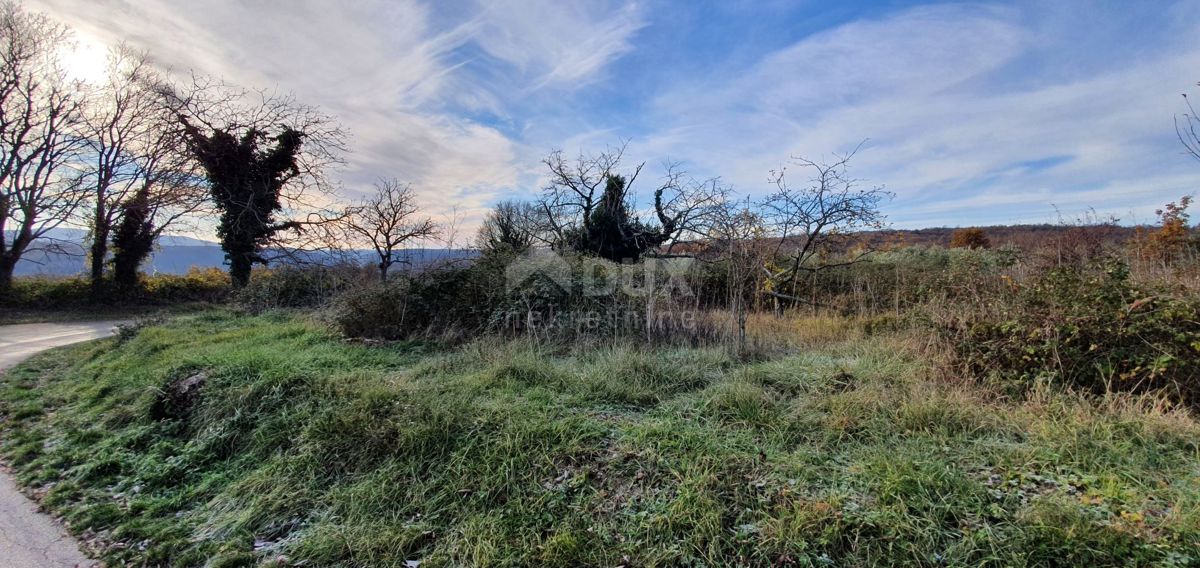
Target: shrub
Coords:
[[457, 301], [296, 287], [1088, 328], [198, 285], [1174, 241], [973, 238], [441, 302], [592, 297], [45, 292]]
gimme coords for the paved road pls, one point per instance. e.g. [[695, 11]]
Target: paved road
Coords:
[[30, 539]]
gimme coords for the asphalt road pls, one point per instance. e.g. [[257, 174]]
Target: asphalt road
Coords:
[[28, 538]]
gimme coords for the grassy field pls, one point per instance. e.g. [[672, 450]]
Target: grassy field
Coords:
[[225, 440]]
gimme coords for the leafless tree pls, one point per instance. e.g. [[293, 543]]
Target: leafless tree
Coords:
[[511, 226], [134, 150], [737, 234], [39, 118], [687, 205], [806, 222], [388, 220]]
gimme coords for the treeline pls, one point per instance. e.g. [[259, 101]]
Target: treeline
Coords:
[[139, 153]]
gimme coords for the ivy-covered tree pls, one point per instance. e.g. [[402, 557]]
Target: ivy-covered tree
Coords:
[[132, 240], [246, 172], [262, 156], [588, 207], [612, 232]]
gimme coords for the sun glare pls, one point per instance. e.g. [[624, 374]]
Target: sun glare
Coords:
[[87, 60]]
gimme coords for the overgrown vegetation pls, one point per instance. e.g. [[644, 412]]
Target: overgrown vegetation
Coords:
[[67, 294], [221, 440], [695, 378], [1087, 327]]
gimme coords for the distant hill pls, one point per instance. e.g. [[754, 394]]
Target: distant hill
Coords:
[[1025, 237], [175, 254]]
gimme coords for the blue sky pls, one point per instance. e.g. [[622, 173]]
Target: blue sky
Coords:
[[975, 113]]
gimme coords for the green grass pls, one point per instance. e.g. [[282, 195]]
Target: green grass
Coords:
[[498, 453], [10, 315]]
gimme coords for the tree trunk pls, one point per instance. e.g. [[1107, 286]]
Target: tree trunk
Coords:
[[125, 275], [239, 269], [7, 266], [383, 270], [98, 253]]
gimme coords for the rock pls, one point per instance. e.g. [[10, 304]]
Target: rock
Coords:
[[176, 400]]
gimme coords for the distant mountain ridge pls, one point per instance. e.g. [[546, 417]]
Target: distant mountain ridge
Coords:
[[176, 254]]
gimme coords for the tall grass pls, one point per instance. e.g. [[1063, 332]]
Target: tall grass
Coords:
[[848, 450]]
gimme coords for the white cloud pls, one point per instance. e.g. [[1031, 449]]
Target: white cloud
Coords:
[[462, 97], [388, 69], [948, 133], [555, 42]]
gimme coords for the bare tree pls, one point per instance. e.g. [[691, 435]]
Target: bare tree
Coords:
[[511, 226], [388, 220], [737, 233], [134, 151], [265, 157], [39, 116], [808, 221], [686, 206], [165, 190]]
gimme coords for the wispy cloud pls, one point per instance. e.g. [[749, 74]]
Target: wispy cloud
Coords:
[[392, 71], [976, 113], [557, 43], [951, 127]]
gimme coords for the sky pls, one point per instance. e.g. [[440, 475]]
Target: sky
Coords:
[[971, 113]]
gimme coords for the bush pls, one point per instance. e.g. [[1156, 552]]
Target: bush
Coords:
[[44, 292], [377, 311], [435, 303], [452, 302], [198, 285], [973, 238], [296, 287], [1089, 328]]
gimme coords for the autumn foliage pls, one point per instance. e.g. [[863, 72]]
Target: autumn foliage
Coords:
[[972, 238]]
